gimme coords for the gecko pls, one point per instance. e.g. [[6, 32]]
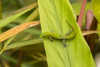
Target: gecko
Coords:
[[52, 35]]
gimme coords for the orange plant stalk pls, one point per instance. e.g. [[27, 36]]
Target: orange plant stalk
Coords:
[[17, 29]]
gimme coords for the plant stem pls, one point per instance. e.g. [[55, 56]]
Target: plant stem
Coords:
[[82, 13]]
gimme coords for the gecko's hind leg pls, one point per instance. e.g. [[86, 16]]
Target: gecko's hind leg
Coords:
[[64, 43], [51, 39], [68, 32]]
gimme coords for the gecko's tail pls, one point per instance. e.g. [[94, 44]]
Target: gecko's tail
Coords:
[[71, 33]]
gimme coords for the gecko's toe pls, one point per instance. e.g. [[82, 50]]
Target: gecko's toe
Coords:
[[52, 31], [65, 45]]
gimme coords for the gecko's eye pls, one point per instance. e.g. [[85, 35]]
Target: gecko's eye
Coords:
[[43, 36]]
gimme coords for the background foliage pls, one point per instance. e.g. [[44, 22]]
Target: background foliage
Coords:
[[26, 49]]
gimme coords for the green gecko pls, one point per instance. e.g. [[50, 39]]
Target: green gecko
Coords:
[[67, 36]]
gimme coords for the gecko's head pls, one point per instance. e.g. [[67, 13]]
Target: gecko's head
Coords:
[[43, 35]]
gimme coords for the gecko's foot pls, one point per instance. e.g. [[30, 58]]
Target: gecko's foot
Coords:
[[51, 39], [65, 45]]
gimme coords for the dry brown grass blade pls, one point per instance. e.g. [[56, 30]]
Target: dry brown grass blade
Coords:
[[17, 29], [89, 32]]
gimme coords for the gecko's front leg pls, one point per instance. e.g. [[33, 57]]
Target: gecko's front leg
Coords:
[[64, 43], [51, 39]]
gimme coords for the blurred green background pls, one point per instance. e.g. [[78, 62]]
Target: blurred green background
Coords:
[[32, 55]]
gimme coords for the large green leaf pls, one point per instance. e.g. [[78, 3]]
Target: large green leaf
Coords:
[[96, 11], [53, 15], [96, 8]]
